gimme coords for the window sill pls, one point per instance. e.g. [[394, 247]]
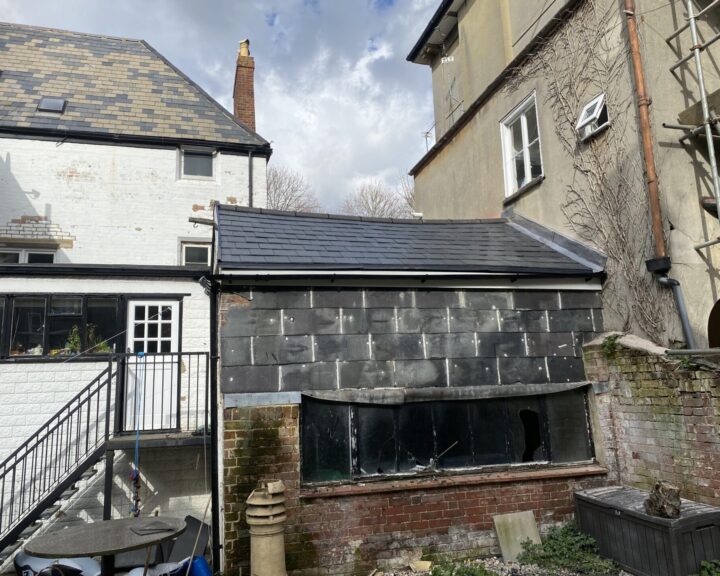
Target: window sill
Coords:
[[524, 190], [451, 480]]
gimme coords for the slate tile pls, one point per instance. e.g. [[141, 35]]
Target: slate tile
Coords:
[[235, 351], [501, 344], [580, 299], [566, 369], [598, 320], [473, 372], [487, 299], [282, 349], [436, 299], [536, 300], [238, 379], [522, 370], [344, 347], [388, 298], [416, 320], [311, 321], [368, 374], [337, 298], [314, 376], [551, 344], [380, 320], [354, 321], [277, 298], [523, 321], [458, 345], [245, 322], [420, 373], [397, 346], [571, 320]]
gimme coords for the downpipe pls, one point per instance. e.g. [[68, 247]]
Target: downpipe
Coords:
[[680, 303]]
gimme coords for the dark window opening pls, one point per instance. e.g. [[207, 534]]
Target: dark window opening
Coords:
[[40, 257], [48, 104], [345, 441], [9, 257], [196, 255], [197, 163], [59, 325]]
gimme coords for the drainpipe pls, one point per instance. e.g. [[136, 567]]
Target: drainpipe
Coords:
[[250, 179], [660, 264]]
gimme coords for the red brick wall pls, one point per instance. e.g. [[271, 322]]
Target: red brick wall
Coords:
[[662, 419], [244, 91], [351, 529]]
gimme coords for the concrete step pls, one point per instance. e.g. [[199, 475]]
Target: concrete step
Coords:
[[69, 492], [48, 512]]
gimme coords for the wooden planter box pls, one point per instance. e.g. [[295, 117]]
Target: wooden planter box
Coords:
[[643, 544]]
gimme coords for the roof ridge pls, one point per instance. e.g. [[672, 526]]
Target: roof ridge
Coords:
[[349, 217], [66, 31]]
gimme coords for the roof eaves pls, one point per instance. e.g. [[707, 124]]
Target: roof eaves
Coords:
[[429, 29]]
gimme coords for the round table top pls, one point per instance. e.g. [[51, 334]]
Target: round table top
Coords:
[[106, 537]]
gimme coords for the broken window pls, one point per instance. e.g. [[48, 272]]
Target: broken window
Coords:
[[344, 441]]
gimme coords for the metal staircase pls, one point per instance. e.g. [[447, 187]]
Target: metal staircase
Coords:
[[164, 397]]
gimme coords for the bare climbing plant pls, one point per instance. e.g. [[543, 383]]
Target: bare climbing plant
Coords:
[[605, 201]]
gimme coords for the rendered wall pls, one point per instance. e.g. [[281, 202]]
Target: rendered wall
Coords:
[[88, 196]]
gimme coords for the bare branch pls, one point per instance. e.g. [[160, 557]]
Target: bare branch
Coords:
[[288, 190], [374, 198]]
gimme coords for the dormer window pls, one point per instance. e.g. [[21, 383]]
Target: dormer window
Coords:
[[197, 163], [593, 118], [54, 105]]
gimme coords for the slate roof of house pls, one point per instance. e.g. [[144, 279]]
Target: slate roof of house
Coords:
[[255, 239], [113, 87]]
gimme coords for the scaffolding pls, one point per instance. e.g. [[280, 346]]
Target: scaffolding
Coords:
[[702, 120]]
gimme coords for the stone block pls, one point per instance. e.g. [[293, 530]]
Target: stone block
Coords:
[[512, 530]]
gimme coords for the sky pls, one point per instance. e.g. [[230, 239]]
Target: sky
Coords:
[[333, 91]]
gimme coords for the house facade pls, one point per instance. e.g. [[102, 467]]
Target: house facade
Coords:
[[536, 112], [406, 380], [111, 160]]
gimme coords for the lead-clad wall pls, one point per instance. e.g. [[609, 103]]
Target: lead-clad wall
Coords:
[[275, 339]]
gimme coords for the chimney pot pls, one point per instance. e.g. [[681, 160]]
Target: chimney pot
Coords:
[[244, 89]]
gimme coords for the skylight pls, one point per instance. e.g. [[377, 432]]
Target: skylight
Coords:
[[48, 104]]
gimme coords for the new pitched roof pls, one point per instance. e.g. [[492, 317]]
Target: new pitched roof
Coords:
[[255, 239], [113, 87]]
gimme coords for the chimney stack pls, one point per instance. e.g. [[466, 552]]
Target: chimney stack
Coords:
[[244, 91]]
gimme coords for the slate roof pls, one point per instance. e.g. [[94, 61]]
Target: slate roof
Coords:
[[113, 86], [255, 239]]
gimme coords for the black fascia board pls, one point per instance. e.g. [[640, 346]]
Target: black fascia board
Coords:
[[103, 270], [429, 29], [263, 150]]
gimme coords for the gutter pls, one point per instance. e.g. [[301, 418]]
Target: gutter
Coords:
[[101, 270]]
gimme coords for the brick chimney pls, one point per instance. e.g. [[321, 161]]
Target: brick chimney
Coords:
[[244, 91]]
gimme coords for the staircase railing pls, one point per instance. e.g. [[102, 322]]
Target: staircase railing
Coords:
[[55, 456]]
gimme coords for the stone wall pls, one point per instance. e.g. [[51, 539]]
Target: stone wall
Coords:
[[351, 529], [660, 417]]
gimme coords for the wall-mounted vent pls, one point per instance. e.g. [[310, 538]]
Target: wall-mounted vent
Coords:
[[56, 105], [593, 118]]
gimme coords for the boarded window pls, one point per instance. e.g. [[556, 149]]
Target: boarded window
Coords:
[[340, 441]]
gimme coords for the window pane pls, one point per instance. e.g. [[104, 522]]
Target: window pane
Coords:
[[197, 164], [415, 436], [103, 325], [568, 423], [152, 347], [64, 335], [139, 312], [525, 426], [197, 255], [325, 441], [139, 330], [489, 431], [153, 313], [2, 319], [166, 330], [531, 121], [376, 440], [167, 313], [28, 326], [535, 162], [139, 346], [66, 305], [452, 430], [165, 346], [40, 258], [9, 257], [519, 171], [516, 134], [152, 330]]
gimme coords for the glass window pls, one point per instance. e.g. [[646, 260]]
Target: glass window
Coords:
[[521, 147], [65, 325], [26, 257], [40, 257], [593, 118], [104, 328], [326, 441], [9, 257], [568, 427], [196, 254], [27, 332], [197, 163], [377, 441]]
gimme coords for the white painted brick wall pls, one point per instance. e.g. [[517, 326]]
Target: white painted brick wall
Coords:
[[123, 205]]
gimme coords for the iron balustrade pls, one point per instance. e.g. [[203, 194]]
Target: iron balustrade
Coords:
[[133, 394]]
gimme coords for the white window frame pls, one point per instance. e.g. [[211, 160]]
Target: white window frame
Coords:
[[25, 252], [519, 113], [587, 124], [181, 163], [174, 322], [184, 245]]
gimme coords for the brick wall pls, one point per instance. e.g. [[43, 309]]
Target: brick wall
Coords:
[[352, 529], [660, 420]]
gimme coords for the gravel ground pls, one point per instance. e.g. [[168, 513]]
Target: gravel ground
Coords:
[[496, 564]]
